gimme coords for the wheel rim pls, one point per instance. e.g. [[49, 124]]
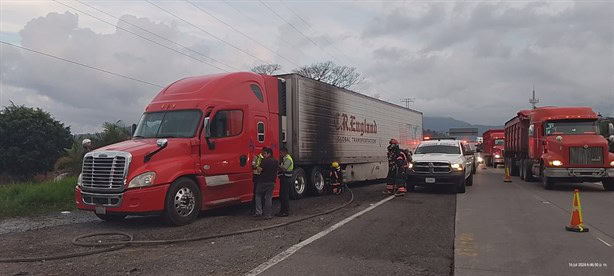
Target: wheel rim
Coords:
[[319, 181], [184, 202], [299, 184]]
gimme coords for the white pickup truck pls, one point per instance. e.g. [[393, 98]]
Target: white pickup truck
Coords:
[[441, 162]]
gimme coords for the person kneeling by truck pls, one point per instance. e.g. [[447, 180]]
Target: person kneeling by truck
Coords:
[[336, 179]]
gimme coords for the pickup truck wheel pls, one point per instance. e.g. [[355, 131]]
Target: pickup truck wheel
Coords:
[[461, 187], [608, 184], [470, 180], [317, 184], [111, 217], [299, 184], [182, 203]]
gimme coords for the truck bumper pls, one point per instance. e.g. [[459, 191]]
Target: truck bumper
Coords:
[[440, 179], [137, 201], [498, 161], [585, 173]]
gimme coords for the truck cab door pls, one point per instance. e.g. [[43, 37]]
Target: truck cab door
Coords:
[[225, 157]]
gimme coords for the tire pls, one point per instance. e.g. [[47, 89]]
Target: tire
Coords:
[[522, 170], [474, 168], [299, 184], [528, 172], [514, 169], [317, 184], [470, 180], [111, 217], [460, 189], [182, 203], [608, 184]]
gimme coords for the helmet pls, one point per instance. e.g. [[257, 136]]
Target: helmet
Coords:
[[335, 165], [394, 141]]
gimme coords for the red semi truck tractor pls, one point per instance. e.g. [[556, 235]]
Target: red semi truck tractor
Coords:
[[194, 145], [559, 144], [493, 143]]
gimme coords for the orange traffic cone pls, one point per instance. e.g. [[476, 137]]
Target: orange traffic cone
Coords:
[[576, 224], [507, 177]]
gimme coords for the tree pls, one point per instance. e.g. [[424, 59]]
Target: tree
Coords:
[[112, 133], [266, 69], [329, 72], [30, 141]]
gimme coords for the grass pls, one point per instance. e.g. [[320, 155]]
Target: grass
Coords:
[[26, 199]]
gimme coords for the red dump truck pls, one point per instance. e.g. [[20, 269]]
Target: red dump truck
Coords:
[[194, 145], [492, 144], [559, 144]]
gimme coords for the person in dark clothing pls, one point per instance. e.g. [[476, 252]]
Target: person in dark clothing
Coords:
[[287, 169], [336, 179], [266, 183]]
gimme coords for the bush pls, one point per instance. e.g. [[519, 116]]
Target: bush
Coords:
[[30, 141]]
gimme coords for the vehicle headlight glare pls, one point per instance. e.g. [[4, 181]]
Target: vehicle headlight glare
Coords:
[[480, 159], [497, 156], [143, 180], [458, 167], [556, 163], [612, 163], [410, 165]]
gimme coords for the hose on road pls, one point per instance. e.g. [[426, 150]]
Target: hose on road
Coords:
[[128, 241]]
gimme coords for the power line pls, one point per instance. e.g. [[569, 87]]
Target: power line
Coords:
[[145, 38], [212, 35], [311, 28], [294, 27], [256, 23], [159, 36], [81, 64], [238, 31]]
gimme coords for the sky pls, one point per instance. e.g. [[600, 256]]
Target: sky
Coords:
[[475, 61]]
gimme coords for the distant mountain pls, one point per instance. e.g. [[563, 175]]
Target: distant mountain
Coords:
[[443, 124]]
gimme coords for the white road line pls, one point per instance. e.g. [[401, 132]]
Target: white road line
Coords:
[[604, 242], [290, 251]]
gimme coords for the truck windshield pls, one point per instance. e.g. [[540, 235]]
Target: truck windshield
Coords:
[[445, 149], [499, 142], [571, 127], [168, 124]]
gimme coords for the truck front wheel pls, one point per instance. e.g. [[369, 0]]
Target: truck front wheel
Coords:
[[548, 182], [182, 203], [299, 184], [317, 184], [608, 184]]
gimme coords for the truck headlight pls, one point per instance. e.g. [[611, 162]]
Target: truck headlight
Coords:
[[80, 180], [480, 159], [458, 167], [497, 156], [556, 163], [411, 165], [612, 163], [143, 180]]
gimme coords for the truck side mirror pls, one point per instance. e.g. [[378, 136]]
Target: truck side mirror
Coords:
[[611, 129], [207, 128]]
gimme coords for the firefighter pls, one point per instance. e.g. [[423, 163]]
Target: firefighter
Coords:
[[400, 180], [255, 165], [392, 168], [336, 179]]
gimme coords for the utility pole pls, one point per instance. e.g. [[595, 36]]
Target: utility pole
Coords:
[[533, 100], [407, 101]]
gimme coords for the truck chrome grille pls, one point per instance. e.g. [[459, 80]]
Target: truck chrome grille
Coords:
[[586, 156], [432, 167], [105, 171]]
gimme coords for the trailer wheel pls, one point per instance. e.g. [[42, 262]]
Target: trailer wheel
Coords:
[[182, 203], [299, 184], [522, 170], [608, 184], [514, 168], [527, 170], [317, 185]]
